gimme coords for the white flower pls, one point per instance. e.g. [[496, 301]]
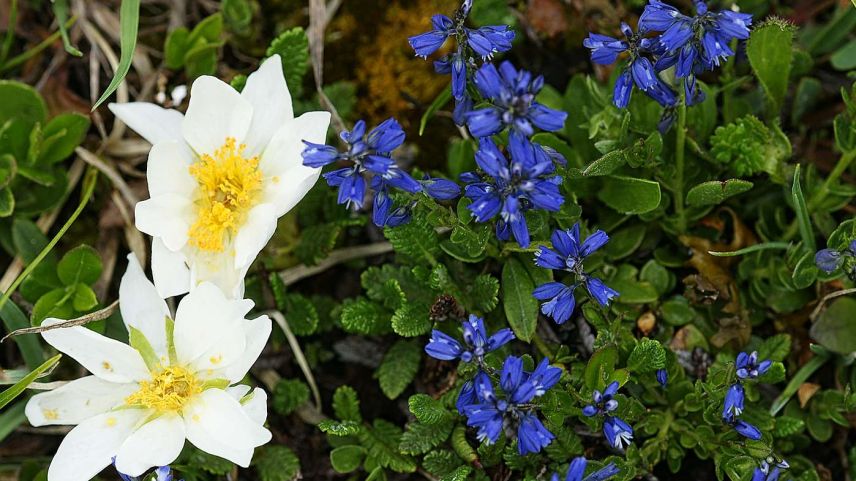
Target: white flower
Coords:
[[220, 176], [173, 382]]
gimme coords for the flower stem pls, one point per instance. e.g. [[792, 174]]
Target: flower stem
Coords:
[[680, 144]]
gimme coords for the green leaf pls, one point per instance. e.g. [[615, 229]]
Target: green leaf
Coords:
[[399, 367], [30, 348], [362, 316], [288, 395], [647, 356], [411, 320], [56, 304], [238, 13], [293, 47], [66, 132], [775, 348], [416, 240], [335, 428], [628, 195], [7, 202], [301, 314], [80, 265], [382, 441], [715, 192], [129, 22], [11, 393], [482, 293], [803, 219], [175, 46], [276, 463], [84, 298], [600, 367], [426, 409], [421, 438], [521, 309], [834, 328], [606, 165], [346, 404], [346, 459], [22, 103], [770, 51]]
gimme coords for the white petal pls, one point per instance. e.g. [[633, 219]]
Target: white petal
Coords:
[[107, 358], [169, 270], [216, 111], [254, 234], [238, 391], [154, 123], [257, 332], [90, 446], [167, 216], [256, 406], [218, 269], [217, 424], [156, 443], [142, 307], [77, 401], [286, 190], [168, 169], [206, 321], [283, 152], [267, 92]]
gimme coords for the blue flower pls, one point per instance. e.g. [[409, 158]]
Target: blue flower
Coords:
[[490, 413], [511, 93], [748, 366], [568, 254], [617, 432], [827, 260], [427, 43], [693, 44], [746, 430], [640, 69], [509, 187], [603, 401], [441, 189], [481, 42], [733, 405], [162, 473], [444, 347], [662, 377], [760, 475], [368, 155], [577, 469]]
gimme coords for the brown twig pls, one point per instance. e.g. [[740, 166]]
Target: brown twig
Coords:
[[91, 317]]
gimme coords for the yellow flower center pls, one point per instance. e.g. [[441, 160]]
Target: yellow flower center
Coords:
[[168, 390], [229, 186]]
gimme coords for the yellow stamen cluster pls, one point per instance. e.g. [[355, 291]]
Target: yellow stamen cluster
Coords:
[[168, 390], [229, 186]]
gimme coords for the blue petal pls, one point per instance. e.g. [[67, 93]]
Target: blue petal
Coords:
[[443, 346], [600, 291], [441, 189], [548, 258], [532, 436], [484, 122], [593, 243], [576, 469], [318, 155], [623, 89], [386, 137], [747, 430]]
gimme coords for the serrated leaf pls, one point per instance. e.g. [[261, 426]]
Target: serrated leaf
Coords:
[[411, 320], [420, 438], [647, 356], [415, 240], [482, 294], [399, 367], [362, 316], [346, 404], [288, 395], [441, 462], [337, 428], [427, 409], [381, 441], [293, 48], [276, 463]]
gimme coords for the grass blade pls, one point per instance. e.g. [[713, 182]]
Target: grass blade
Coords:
[[800, 377], [60, 8], [30, 347], [438, 103], [9, 394], [129, 20], [11, 418], [803, 218]]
